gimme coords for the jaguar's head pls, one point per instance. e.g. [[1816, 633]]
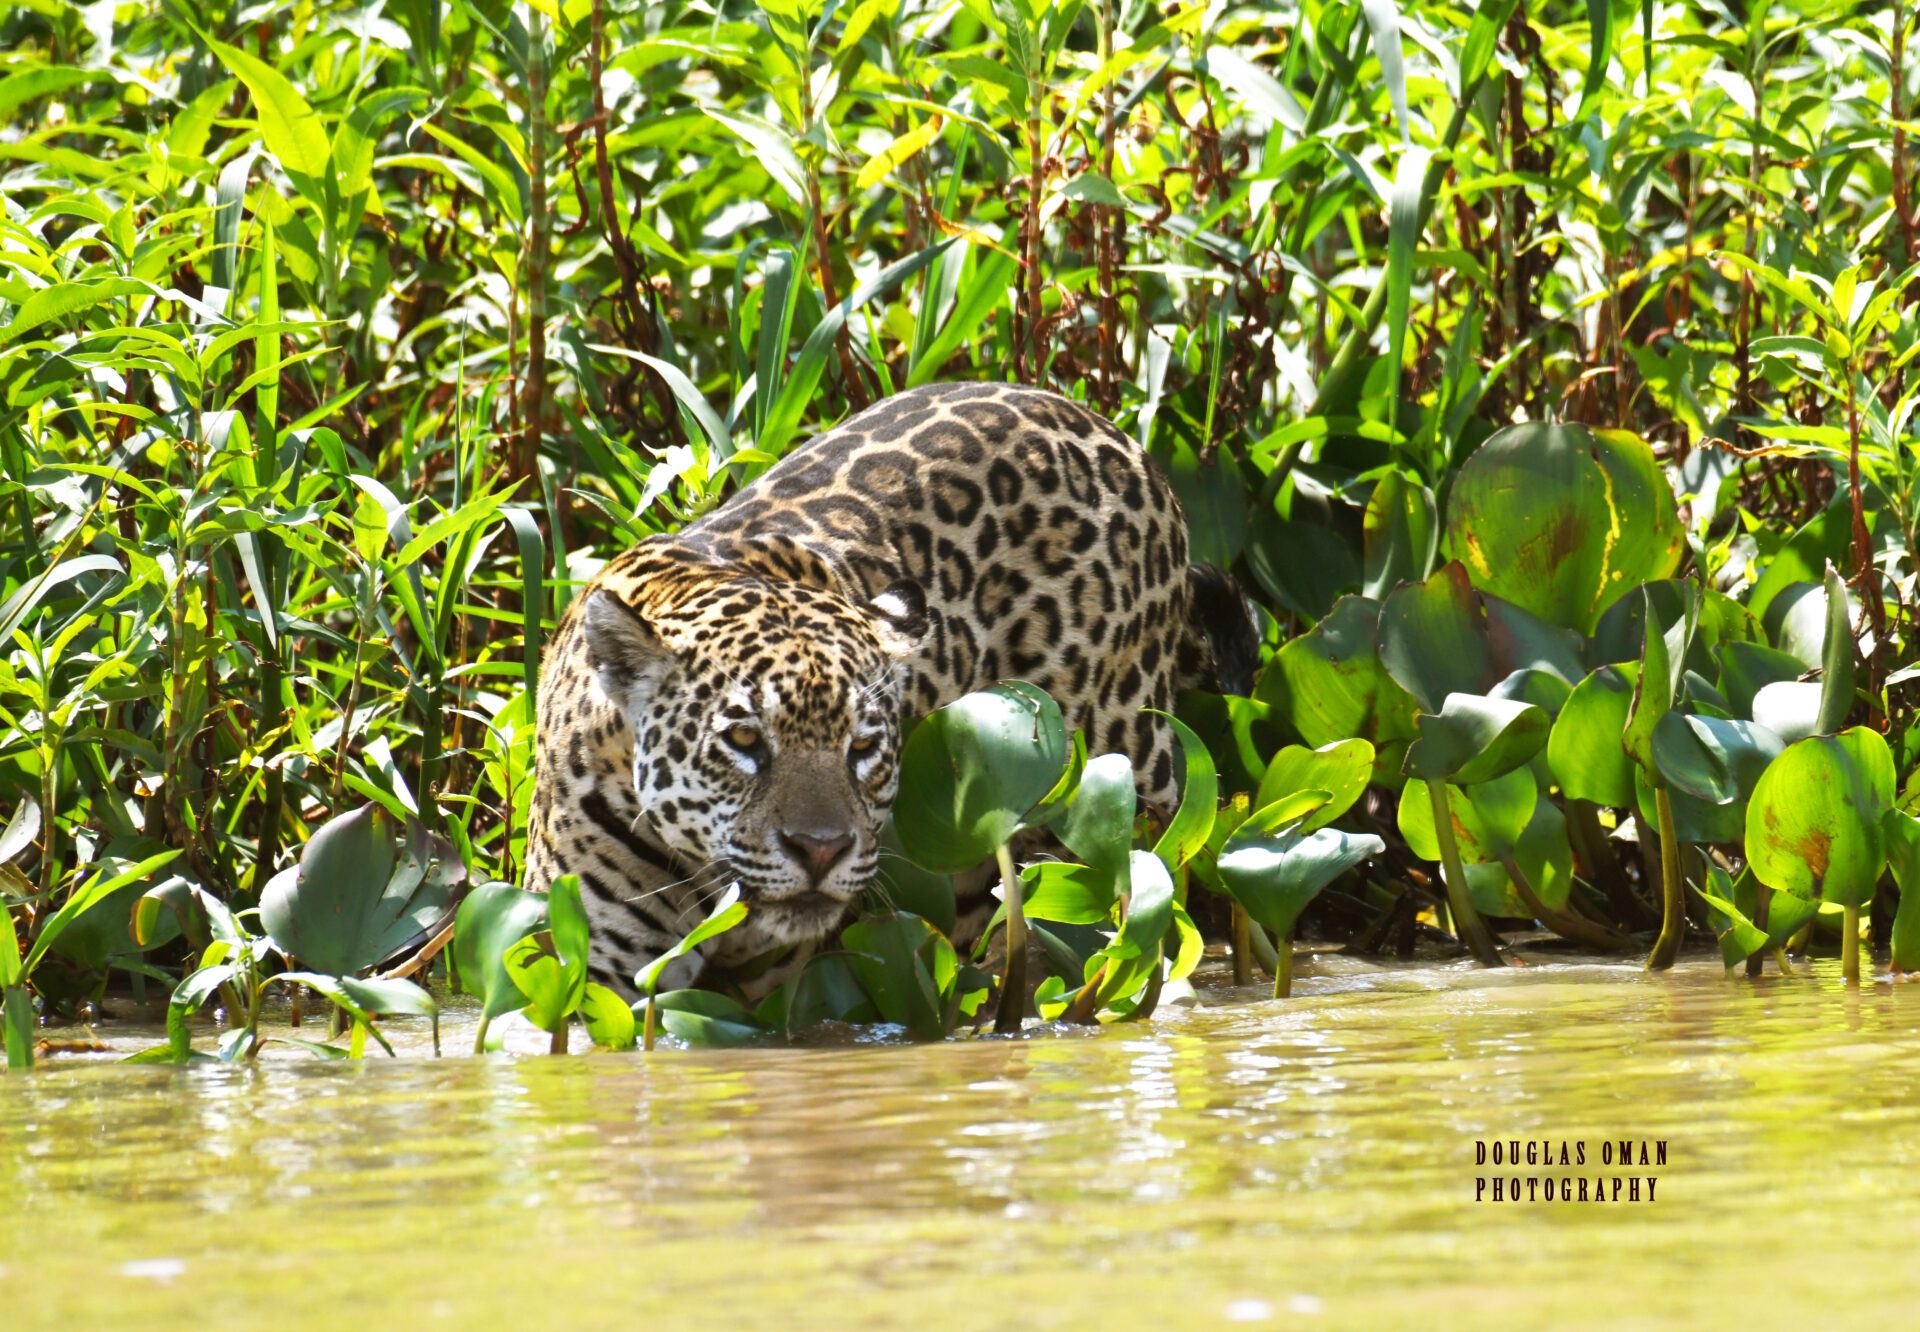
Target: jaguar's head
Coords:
[[766, 716]]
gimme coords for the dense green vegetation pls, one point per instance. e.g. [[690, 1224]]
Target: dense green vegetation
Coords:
[[339, 344]]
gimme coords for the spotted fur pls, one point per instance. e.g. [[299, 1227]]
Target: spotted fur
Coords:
[[727, 703]]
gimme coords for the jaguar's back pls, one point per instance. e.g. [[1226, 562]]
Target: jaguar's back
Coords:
[[766, 657]]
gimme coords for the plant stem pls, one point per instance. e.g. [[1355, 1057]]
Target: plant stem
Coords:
[[1850, 944], [559, 1043], [1762, 908], [1283, 970], [1563, 923], [1596, 848], [1467, 925], [539, 249], [1013, 985], [1673, 924], [647, 1032], [480, 1036], [1242, 946]]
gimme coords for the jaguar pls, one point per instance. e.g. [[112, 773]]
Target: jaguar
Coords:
[[725, 704]]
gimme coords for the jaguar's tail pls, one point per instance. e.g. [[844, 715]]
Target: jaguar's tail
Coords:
[[1223, 631]]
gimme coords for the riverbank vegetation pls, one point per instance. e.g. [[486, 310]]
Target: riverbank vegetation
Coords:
[[1541, 370]]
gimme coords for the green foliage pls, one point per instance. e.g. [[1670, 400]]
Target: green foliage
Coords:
[[329, 368]]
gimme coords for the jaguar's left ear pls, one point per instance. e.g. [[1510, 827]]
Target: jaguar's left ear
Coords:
[[901, 614]]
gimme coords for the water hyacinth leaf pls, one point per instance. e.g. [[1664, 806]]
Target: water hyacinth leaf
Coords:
[[1790, 708], [1475, 739], [1562, 520], [1067, 893], [1748, 668], [706, 1018], [727, 912], [1542, 853], [1199, 798], [1712, 760], [493, 917], [1520, 640], [1800, 620], [1444, 636], [549, 966], [1694, 819], [1785, 912], [99, 886], [1431, 638], [1304, 566], [1135, 953], [1239, 733], [1488, 818], [1836, 659], [1330, 685], [1585, 751], [1402, 532], [608, 1018], [905, 966], [901, 885], [1662, 653], [1739, 937], [1814, 823], [827, 991], [971, 771], [1341, 769], [1275, 877], [1902, 834], [349, 903], [1098, 825]]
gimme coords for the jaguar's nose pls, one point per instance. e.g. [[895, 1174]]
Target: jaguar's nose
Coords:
[[816, 852]]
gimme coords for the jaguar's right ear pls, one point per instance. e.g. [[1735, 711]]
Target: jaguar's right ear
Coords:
[[624, 649]]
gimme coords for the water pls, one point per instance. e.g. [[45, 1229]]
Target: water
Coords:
[[1309, 1163]]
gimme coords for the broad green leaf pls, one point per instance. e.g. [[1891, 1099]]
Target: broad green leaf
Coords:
[[350, 903], [1814, 823], [1585, 750], [1330, 686], [1488, 818], [728, 912], [1135, 953], [1098, 825], [1902, 833], [1342, 769], [1071, 894], [901, 885], [1562, 520], [1402, 533], [904, 965], [1275, 877], [100, 885], [706, 1018], [1199, 798], [491, 920], [1712, 760], [292, 131], [608, 1018], [1748, 668], [971, 771], [1475, 739]]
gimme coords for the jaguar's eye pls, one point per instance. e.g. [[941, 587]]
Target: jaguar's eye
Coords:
[[862, 745], [745, 738]]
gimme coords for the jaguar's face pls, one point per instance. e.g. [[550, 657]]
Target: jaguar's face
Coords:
[[766, 720]]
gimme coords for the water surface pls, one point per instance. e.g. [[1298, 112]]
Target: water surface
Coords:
[[1309, 1162]]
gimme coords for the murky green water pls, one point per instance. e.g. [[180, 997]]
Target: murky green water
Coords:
[[1309, 1162]]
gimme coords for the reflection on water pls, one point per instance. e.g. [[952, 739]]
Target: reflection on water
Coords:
[[1310, 1161]]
